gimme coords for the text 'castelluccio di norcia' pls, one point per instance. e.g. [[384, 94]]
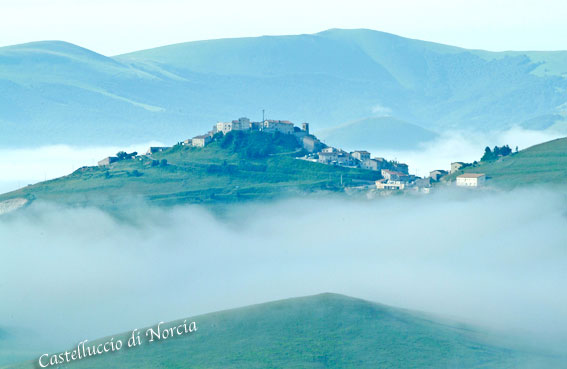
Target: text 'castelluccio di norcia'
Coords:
[[84, 350]]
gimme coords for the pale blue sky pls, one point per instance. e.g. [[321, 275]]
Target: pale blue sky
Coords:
[[117, 26]]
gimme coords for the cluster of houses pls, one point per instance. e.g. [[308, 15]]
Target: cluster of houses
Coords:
[[395, 175], [308, 141], [244, 124]]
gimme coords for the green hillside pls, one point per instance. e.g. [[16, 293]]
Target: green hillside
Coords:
[[322, 331], [237, 167], [545, 163], [384, 133]]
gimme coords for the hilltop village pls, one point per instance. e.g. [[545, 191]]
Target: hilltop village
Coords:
[[395, 175]]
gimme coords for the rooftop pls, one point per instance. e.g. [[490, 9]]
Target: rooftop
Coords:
[[471, 175], [393, 172], [279, 121]]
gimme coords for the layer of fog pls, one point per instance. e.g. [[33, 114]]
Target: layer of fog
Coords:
[[463, 146], [20, 167], [494, 259]]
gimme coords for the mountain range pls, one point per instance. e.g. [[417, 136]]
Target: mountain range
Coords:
[[54, 92]]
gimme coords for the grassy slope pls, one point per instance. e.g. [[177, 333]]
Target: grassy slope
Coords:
[[549, 62], [195, 175], [545, 163], [323, 331]]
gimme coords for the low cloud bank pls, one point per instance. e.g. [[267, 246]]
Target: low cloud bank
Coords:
[[494, 259], [20, 167]]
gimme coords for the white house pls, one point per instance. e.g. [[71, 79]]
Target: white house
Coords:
[[223, 127], [390, 185], [240, 124], [471, 179]]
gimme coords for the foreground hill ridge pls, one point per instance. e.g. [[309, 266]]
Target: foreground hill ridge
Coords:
[[67, 94], [321, 331]]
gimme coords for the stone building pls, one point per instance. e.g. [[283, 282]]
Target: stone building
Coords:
[[456, 166], [361, 155], [436, 175], [282, 126], [154, 149], [201, 141], [107, 161]]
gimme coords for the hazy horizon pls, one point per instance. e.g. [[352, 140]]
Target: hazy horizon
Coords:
[[85, 45], [116, 27]]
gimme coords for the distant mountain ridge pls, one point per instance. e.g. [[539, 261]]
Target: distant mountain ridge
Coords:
[[377, 133], [55, 92]]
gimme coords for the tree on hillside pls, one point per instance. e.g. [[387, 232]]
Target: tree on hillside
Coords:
[[495, 154], [123, 155]]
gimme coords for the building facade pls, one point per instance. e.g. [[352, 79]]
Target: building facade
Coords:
[[390, 185], [282, 126], [471, 180], [201, 141], [437, 174], [373, 164], [361, 155], [107, 161], [155, 149], [456, 166], [391, 175], [241, 124], [223, 127]]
